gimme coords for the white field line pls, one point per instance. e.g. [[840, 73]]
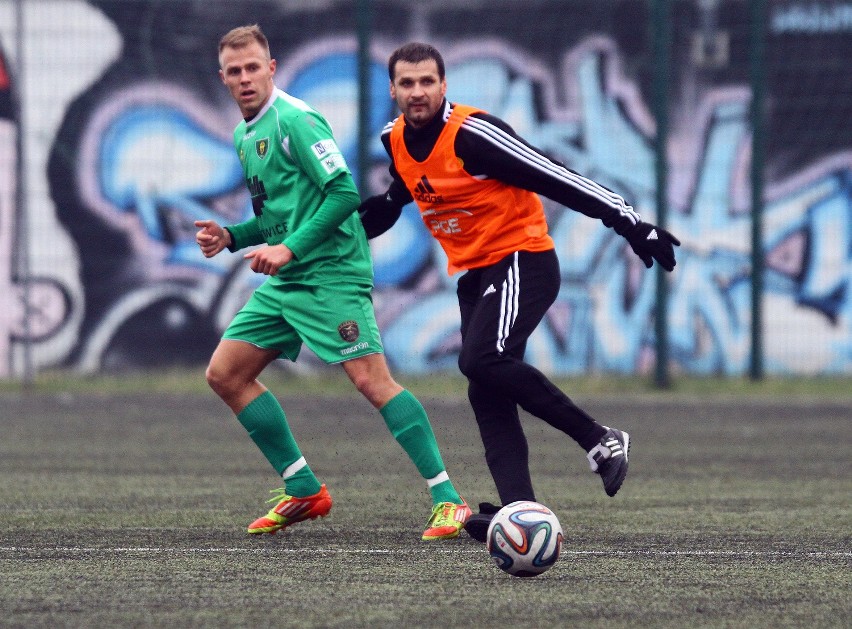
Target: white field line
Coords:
[[164, 550]]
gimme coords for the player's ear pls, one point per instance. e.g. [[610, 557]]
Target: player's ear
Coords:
[[392, 91], [222, 75], [272, 64]]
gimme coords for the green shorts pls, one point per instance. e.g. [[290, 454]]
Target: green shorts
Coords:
[[336, 322]]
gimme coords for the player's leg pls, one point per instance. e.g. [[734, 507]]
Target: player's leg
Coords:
[[503, 439], [339, 326], [233, 371], [254, 339], [408, 422], [496, 414], [525, 286], [504, 443]]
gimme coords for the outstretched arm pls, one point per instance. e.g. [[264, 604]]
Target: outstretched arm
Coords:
[[490, 147]]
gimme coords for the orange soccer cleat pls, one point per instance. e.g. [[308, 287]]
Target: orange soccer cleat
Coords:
[[290, 510], [447, 521]]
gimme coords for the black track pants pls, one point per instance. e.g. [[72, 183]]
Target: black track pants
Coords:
[[501, 305]]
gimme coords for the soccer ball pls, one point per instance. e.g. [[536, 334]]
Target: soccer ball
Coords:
[[524, 538]]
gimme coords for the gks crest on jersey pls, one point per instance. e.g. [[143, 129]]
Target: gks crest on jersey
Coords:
[[261, 147]]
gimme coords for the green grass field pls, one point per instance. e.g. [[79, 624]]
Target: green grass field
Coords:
[[125, 506]]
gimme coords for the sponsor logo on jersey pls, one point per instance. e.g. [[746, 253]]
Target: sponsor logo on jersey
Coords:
[[270, 233], [445, 225], [324, 147], [454, 210], [334, 162], [349, 331], [449, 226], [425, 193], [258, 194], [262, 147]]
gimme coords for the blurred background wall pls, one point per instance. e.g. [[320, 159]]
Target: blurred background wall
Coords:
[[115, 134]]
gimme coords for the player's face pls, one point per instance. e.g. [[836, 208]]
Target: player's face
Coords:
[[418, 90], [249, 75]]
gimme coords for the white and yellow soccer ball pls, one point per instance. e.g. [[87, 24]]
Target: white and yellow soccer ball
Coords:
[[525, 538]]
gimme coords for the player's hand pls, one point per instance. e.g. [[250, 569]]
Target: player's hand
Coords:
[[269, 260], [211, 237], [378, 214], [650, 243]]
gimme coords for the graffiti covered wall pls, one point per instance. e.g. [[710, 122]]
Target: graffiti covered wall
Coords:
[[127, 140]]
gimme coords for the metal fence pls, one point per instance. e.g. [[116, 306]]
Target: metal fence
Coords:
[[728, 121]]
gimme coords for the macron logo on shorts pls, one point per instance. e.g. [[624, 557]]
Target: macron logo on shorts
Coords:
[[354, 348]]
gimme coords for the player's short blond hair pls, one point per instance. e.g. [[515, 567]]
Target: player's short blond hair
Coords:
[[242, 36]]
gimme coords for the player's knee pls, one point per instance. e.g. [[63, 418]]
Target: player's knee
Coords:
[[362, 382], [372, 378], [472, 367], [219, 381], [378, 389]]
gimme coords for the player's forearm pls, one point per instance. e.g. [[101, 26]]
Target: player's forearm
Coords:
[[245, 234], [341, 201], [489, 147], [504, 156], [397, 192], [587, 197]]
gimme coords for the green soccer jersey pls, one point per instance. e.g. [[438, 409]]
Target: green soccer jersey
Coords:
[[289, 156]]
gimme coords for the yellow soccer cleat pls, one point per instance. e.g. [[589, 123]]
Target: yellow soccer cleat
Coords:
[[290, 510], [447, 521]]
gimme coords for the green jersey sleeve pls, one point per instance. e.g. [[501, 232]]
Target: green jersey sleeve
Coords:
[[341, 200], [245, 234], [312, 144]]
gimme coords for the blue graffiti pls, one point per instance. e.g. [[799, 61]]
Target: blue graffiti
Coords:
[[199, 168], [603, 317], [605, 309], [329, 79]]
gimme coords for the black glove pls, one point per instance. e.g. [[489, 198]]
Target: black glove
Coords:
[[650, 243], [378, 214]]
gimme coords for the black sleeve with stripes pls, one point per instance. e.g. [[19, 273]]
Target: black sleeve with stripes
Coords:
[[397, 191], [490, 147]]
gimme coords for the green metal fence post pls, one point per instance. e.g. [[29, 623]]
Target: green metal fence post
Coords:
[[22, 228], [757, 10], [364, 26], [661, 31]]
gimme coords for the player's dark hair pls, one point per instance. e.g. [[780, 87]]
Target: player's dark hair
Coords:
[[415, 52]]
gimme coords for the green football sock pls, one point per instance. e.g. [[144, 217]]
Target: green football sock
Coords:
[[266, 424], [406, 419]]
